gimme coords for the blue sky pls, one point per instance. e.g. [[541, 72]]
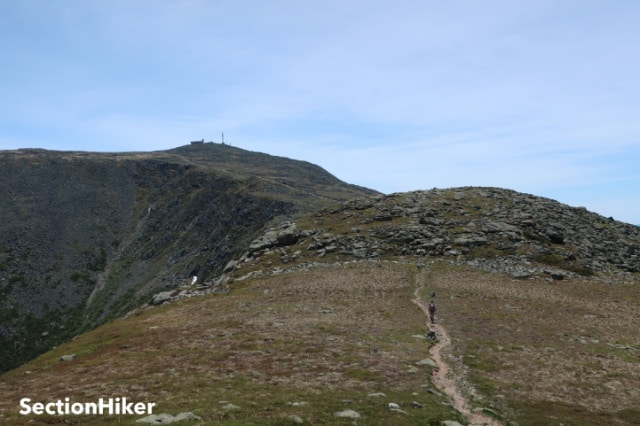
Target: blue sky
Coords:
[[537, 96]]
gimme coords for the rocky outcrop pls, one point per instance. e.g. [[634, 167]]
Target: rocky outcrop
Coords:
[[493, 229], [285, 235]]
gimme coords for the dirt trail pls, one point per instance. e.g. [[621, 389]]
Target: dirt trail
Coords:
[[445, 379]]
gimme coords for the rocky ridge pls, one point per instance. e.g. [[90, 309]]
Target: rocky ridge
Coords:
[[86, 237], [480, 226], [497, 230]]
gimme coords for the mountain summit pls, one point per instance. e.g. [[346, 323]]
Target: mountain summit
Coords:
[[89, 236]]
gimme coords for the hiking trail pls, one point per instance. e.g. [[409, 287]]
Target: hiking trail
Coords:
[[447, 380]]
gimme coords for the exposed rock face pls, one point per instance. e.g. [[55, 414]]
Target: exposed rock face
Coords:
[[494, 229], [286, 235]]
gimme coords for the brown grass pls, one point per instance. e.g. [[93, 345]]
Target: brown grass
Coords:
[[533, 352], [543, 352], [323, 337]]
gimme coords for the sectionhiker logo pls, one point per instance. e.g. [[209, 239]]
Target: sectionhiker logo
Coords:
[[103, 407]]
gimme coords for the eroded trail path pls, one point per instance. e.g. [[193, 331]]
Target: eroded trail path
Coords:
[[444, 378]]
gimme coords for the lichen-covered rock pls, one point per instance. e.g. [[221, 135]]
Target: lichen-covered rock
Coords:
[[351, 414], [494, 229]]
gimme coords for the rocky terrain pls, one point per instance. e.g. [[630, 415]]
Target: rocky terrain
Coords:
[[534, 288], [86, 237], [492, 229]]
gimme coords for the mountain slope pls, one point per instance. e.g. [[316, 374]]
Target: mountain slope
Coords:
[[346, 336], [308, 344], [495, 229], [312, 313], [89, 236]]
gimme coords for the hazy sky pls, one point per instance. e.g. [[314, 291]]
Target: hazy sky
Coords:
[[538, 96]]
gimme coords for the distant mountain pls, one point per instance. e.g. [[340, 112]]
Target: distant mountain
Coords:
[[85, 237]]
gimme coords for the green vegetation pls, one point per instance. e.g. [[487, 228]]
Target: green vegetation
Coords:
[[540, 352], [562, 261], [307, 344]]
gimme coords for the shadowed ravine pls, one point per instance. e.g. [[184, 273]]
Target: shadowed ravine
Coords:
[[444, 378]]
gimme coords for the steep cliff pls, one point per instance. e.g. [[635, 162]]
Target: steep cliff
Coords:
[[85, 237]]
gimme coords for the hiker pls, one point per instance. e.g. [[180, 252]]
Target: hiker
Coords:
[[432, 312], [433, 294]]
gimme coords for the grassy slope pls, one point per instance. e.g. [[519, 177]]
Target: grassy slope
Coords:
[[323, 337], [535, 352], [543, 352]]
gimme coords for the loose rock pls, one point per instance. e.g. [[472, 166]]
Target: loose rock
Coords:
[[348, 414]]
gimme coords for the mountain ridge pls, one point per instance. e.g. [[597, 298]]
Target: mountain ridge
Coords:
[[301, 275], [518, 233], [89, 236]]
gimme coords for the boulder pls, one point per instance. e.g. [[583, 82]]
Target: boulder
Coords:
[[162, 297], [165, 419], [428, 362], [230, 266], [347, 414]]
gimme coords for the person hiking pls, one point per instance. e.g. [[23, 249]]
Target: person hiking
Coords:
[[432, 312]]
